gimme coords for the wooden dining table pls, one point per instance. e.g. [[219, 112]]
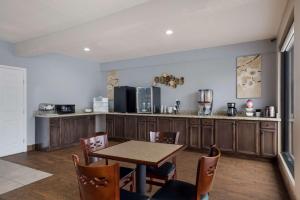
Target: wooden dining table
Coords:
[[142, 154]]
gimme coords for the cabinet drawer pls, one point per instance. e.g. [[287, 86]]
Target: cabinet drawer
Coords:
[[207, 122], [195, 121], [268, 125]]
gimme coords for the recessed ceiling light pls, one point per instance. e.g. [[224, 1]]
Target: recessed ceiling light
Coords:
[[169, 32], [86, 49]]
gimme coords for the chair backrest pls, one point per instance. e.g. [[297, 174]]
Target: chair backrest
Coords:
[[164, 137], [93, 144], [206, 171], [98, 182]]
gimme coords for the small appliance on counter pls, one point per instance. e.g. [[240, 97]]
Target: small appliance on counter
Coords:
[[270, 111], [148, 99], [231, 110], [125, 99], [177, 107], [47, 108], [65, 109], [205, 100], [100, 104]]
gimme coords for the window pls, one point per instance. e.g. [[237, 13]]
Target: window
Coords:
[[288, 99]]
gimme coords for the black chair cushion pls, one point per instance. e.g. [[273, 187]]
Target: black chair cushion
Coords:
[[124, 171], [126, 195], [163, 170], [177, 190]]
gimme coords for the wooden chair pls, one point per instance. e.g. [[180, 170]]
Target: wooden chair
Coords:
[[89, 145], [179, 190], [101, 182], [168, 170]]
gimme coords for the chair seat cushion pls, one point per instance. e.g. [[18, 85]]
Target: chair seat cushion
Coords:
[[125, 171], [177, 190], [163, 170], [126, 195]]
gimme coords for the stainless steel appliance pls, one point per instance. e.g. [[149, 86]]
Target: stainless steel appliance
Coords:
[[231, 110], [270, 111], [148, 99], [47, 108], [65, 109], [205, 100]]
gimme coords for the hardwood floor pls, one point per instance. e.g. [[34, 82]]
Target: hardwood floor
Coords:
[[236, 179]]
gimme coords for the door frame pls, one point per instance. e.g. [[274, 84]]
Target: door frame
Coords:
[[24, 147]]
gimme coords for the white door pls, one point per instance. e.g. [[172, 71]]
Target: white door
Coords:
[[12, 110]]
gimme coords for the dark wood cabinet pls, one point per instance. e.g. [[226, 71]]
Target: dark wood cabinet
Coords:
[[247, 137], [130, 127], [225, 135], [119, 126], [110, 126], [145, 125], [180, 125], [208, 138], [91, 126], [81, 128], [68, 131], [60, 132], [55, 137], [195, 133], [268, 139], [164, 124]]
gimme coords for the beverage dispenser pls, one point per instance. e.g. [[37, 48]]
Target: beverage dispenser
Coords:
[[205, 100]]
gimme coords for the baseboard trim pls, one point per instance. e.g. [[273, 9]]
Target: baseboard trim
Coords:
[[31, 147]]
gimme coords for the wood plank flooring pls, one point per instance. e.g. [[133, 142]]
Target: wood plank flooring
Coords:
[[236, 179]]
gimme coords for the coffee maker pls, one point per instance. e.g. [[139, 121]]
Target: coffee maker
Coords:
[[231, 110], [205, 100]]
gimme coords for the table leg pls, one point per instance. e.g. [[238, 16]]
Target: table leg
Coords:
[[140, 179]]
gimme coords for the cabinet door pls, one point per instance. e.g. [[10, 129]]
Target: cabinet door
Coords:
[[181, 125], [110, 126], [142, 129], [164, 124], [130, 127], [207, 136], [247, 136], [119, 126], [68, 126], [225, 135], [82, 128], [268, 139], [55, 136], [91, 126], [195, 134]]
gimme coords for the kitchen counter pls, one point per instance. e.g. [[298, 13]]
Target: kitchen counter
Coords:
[[161, 115]]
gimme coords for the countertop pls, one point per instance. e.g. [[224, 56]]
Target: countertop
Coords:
[[160, 115]]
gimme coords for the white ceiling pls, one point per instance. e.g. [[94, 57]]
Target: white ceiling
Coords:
[[119, 29]]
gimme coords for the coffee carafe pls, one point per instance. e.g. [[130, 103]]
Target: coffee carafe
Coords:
[[231, 110]]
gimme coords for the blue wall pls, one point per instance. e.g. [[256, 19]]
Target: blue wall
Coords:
[[213, 68], [54, 79]]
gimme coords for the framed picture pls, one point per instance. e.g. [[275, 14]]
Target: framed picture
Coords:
[[248, 76]]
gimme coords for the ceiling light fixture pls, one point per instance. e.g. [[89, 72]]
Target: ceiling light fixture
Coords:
[[169, 32], [86, 49]]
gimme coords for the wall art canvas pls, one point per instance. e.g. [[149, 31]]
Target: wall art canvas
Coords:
[[248, 74], [111, 81]]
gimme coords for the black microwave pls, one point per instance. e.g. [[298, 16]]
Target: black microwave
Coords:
[[65, 109]]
